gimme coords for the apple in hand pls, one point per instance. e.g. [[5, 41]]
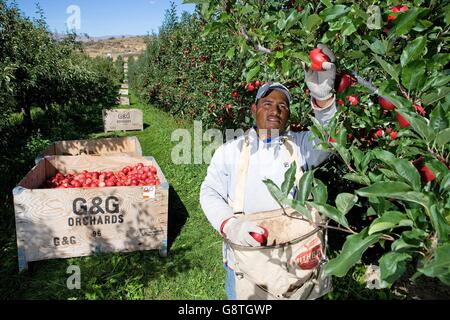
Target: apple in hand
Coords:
[[318, 57]]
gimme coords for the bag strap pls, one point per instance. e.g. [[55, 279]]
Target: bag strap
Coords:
[[238, 202], [239, 191]]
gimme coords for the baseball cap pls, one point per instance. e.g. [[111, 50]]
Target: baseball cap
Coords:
[[264, 89]]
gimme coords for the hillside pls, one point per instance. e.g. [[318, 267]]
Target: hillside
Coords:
[[116, 46]]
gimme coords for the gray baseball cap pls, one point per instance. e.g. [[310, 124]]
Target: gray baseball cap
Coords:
[[264, 89]]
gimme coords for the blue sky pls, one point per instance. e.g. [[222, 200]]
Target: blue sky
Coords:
[[103, 17]]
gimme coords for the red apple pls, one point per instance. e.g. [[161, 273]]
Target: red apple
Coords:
[[402, 121], [261, 238], [317, 59], [379, 133], [420, 110], [425, 173], [251, 87], [354, 100], [385, 104], [396, 9], [345, 81]]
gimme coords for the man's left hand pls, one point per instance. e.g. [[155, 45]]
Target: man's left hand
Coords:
[[321, 83]]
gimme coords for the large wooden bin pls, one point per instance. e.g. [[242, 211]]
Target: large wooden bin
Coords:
[[99, 147], [64, 223]]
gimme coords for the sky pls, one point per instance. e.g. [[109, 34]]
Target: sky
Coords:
[[103, 17]]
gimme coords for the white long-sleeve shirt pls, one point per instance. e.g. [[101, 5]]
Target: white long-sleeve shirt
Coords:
[[267, 160]]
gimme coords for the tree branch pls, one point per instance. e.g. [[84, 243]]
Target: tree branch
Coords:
[[365, 83], [256, 45]]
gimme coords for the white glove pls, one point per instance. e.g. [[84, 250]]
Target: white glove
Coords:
[[238, 232], [321, 83]]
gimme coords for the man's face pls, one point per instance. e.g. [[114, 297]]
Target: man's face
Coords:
[[272, 111]]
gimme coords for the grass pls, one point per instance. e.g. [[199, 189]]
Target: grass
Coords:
[[193, 268]]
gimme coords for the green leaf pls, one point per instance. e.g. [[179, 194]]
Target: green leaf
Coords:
[[440, 265], [351, 253], [327, 3], [291, 20], [331, 212], [305, 186], [334, 12], [404, 168], [419, 125], [343, 152], [357, 156], [439, 224], [391, 175], [289, 178], [345, 201], [388, 68], [317, 129], [445, 183], [296, 205], [438, 120], [413, 50], [447, 14], [383, 189], [230, 53], [377, 46], [413, 75], [436, 95], [276, 193], [279, 54], [320, 192], [349, 29], [405, 21], [389, 220], [395, 190], [393, 266], [253, 73], [409, 240], [286, 67], [312, 22], [358, 178], [443, 138]]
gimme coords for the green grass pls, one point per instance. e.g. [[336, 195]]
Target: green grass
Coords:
[[193, 268]]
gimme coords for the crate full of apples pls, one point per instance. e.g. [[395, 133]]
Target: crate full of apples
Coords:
[[72, 206]]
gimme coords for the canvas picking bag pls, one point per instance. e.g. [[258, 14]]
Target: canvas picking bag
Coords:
[[291, 266]]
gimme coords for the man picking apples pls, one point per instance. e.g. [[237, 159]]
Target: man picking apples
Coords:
[[268, 158]]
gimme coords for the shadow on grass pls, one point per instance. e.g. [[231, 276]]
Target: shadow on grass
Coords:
[[103, 276], [178, 215]]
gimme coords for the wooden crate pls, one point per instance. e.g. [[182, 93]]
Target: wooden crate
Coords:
[[99, 147], [64, 223], [123, 119]]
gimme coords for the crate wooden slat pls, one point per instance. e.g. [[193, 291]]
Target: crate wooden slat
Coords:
[[123, 119], [99, 147], [119, 219]]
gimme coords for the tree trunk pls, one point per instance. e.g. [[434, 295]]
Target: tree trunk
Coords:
[[27, 120]]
